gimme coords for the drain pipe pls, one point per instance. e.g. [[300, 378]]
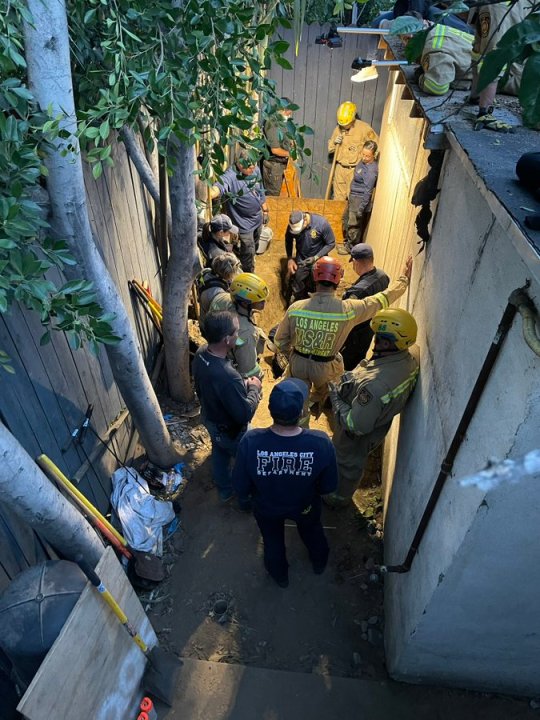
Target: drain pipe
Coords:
[[518, 300]]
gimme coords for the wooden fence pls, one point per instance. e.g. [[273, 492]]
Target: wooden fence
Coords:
[[319, 82], [52, 386]]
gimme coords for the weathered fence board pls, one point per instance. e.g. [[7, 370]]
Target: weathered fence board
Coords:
[[53, 385], [319, 83]]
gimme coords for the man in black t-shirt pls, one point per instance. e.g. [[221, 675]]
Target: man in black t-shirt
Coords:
[[283, 470], [227, 401], [370, 281]]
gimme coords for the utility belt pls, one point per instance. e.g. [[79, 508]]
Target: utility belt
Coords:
[[317, 358], [346, 165]]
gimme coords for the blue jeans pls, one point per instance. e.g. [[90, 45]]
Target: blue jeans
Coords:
[[223, 454]]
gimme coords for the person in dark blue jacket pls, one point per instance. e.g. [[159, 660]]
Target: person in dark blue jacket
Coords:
[[282, 471], [358, 210], [308, 237], [241, 188]]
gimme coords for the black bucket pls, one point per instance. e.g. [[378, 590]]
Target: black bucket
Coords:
[[33, 610]]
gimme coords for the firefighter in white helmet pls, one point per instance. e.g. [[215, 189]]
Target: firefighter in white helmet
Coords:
[[347, 141], [367, 398]]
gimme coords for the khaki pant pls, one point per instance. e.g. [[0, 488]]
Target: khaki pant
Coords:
[[316, 375], [352, 452], [341, 185]]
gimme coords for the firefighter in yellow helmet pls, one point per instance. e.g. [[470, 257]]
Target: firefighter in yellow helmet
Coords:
[[313, 331], [247, 294], [347, 141], [367, 398]]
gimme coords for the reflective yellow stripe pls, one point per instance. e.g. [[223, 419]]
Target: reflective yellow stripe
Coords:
[[381, 297], [312, 314], [400, 389], [438, 37], [435, 88], [254, 371], [349, 421]]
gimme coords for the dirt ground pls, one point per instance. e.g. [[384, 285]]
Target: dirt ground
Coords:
[[218, 603]]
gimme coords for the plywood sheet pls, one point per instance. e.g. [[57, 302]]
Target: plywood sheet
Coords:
[[94, 668]]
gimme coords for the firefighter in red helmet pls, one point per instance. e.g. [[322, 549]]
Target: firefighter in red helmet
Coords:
[[313, 331]]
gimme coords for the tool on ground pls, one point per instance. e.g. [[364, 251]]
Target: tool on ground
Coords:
[[92, 513], [332, 170], [161, 672]]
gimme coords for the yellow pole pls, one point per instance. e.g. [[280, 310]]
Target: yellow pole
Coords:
[[46, 464]]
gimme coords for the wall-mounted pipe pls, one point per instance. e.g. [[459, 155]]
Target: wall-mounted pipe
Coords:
[[516, 300]]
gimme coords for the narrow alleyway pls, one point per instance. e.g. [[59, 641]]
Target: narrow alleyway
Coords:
[[256, 651]]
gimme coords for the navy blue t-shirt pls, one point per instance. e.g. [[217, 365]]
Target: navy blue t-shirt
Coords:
[[284, 475], [245, 197], [317, 239]]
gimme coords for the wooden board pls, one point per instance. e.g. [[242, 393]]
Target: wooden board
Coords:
[[94, 668]]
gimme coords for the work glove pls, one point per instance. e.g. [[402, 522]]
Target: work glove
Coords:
[[338, 140], [490, 122], [266, 217]]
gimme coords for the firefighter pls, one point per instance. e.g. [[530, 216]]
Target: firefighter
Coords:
[[312, 238], [247, 294], [347, 141], [491, 22], [314, 330], [446, 60], [211, 282], [367, 398]]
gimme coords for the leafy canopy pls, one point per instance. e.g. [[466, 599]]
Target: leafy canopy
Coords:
[[28, 253], [197, 68]]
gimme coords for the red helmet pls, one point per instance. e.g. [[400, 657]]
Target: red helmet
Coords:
[[329, 269]]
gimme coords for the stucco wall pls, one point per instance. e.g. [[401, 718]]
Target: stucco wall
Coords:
[[457, 616]]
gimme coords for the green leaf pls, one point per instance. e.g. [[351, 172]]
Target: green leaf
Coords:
[[529, 92], [406, 25], [283, 62], [97, 170], [45, 338], [523, 33], [415, 46], [492, 66]]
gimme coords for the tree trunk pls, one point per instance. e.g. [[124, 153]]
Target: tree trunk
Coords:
[[49, 72], [179, 279], [146, 174], [27, 492]]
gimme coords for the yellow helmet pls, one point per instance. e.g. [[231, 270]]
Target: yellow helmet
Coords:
[[397, 325], [346, 113], [250, 287]]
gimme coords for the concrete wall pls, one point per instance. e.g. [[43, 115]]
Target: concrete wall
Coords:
[[467, 613]]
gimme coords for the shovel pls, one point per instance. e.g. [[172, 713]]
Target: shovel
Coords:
[[160, 677]]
